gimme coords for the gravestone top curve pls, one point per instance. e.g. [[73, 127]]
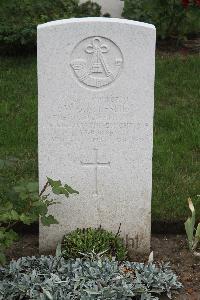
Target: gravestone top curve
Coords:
[[95, 19]]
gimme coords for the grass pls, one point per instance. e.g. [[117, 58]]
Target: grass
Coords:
[[176, 164], [18, 120], [176, 167]]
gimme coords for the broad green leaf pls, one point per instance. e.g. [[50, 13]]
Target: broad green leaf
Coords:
[[26, 219], [5, 217], [70, 189], [197, 234], [40, 208], [12, 234], [23, 195], [54, 183], [35, 196], [8, 238], [48, 220], [14, 215], [189, 231], [60, 191], [33, 187], [6, 206], [19, 188], [56, 190]]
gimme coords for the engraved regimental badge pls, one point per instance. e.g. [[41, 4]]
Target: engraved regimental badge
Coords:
[[96, 61]]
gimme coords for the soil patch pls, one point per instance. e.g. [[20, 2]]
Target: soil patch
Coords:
[[167, 248]]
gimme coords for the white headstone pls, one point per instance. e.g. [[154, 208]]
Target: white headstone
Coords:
[[96, 104]]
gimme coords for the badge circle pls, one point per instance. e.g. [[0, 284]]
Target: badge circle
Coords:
[[96, 61]]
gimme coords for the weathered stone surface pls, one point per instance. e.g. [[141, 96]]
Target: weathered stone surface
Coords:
[[96, 95]]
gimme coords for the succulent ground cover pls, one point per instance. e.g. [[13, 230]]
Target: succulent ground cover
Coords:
[[53, 278]]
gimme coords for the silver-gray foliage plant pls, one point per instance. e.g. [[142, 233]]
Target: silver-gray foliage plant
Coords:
[[54, 278]]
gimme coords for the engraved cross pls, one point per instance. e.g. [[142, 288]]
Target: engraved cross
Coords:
[[96, 164]]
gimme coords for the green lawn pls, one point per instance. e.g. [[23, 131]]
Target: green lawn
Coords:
[[176, 162], [18, 119]]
